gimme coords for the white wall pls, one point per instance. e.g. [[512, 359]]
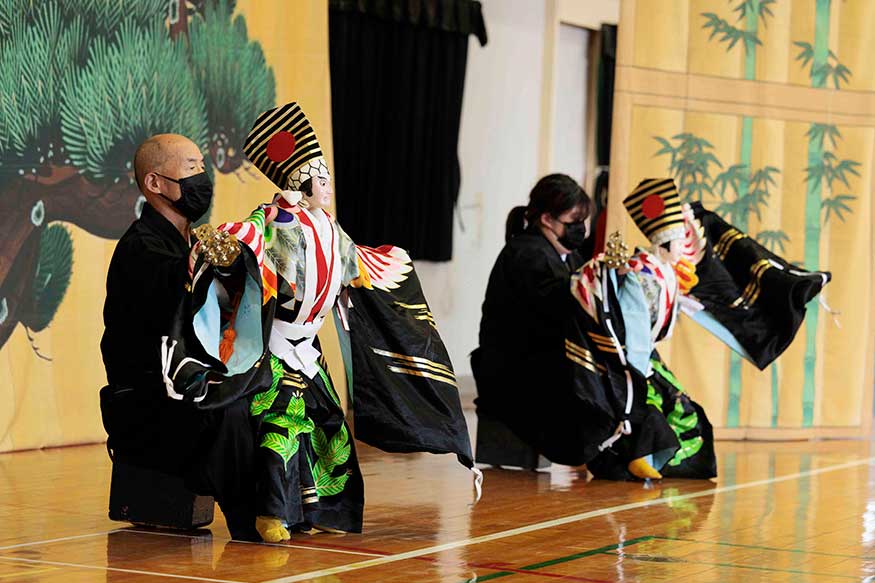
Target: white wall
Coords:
[[501, 141], [570, 110], [498, 150]]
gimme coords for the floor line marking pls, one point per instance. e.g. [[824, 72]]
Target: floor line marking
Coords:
[[477, 565], [118, 569], [648, 559], [763, 548], [30, 573], [533, 568], [57, 540], [263, 544], [348, 548], [507, 572], [562, 521], [372, 553]]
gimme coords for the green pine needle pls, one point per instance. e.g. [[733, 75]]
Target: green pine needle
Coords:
[[37, 59], [230, 70], [136, 85], [52, 276]]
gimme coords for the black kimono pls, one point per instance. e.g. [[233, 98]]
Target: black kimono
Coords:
[[406, 398], [756, 298], [520, 368], [212, 449], [550, 373], [580, 380]]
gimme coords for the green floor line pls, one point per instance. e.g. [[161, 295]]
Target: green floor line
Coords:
[[565, 559], [761, 548], [583, 554], [606, 550]]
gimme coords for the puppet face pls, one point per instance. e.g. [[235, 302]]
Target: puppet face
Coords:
[[674, 252], [321, 192]]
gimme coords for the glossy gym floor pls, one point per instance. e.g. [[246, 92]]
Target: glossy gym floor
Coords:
[[797, 511]]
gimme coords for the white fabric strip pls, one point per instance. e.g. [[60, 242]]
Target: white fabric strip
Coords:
[[167, 350], [619, 347], [302, 356]]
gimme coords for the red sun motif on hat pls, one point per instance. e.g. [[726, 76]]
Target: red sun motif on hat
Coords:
[[653, 206], [280, 146]]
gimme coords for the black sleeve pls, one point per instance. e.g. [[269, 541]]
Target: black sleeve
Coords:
[[544, 284], [157, 275]]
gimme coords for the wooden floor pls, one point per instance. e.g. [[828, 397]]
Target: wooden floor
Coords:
[[801, 511]]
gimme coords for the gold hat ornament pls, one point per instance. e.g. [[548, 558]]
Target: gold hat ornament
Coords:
[[218, 247], [617, 253]]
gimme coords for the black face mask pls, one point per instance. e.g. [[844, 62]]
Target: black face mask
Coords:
[[197, 194], [574, 237]]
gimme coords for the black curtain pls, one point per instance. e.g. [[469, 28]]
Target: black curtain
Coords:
[[604, 118], [397, 75]]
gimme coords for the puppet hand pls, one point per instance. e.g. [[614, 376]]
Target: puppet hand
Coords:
[[219, 248], [270, 212], [293, 197], [631, 266], [686, 273]]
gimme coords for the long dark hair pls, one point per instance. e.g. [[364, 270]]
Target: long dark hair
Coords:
[[553, 194]]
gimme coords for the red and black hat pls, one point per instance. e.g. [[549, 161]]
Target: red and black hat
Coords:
[[655, 206], [283, 145]]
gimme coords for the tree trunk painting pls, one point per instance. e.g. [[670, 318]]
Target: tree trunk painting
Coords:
[[78, 98]]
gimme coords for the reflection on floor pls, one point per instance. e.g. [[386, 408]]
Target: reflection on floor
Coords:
[[801, 511]]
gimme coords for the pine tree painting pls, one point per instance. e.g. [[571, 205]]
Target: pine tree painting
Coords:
[[82, 82]]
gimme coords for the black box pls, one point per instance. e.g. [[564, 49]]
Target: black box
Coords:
[[151, 498], [498, 446]]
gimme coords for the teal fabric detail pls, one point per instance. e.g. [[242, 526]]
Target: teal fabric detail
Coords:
[[636, 319], [709, 323], [249, 343], [207, 323]]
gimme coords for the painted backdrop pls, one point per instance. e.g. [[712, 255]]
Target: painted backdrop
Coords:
[[765, 111], [81, 84]]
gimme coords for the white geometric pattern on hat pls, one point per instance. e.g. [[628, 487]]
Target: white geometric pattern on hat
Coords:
[[670, 234], [312, 169]]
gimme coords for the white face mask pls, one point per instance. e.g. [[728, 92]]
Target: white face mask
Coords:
[[320, 192], [674, 253]]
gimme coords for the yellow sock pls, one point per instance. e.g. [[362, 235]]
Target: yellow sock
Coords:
[[641, 469], [271, 529]]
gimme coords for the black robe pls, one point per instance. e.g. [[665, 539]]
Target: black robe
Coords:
[[144, 286], [758, 296], [544, 369], [212, 449], [406, 398], [522, 375]]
